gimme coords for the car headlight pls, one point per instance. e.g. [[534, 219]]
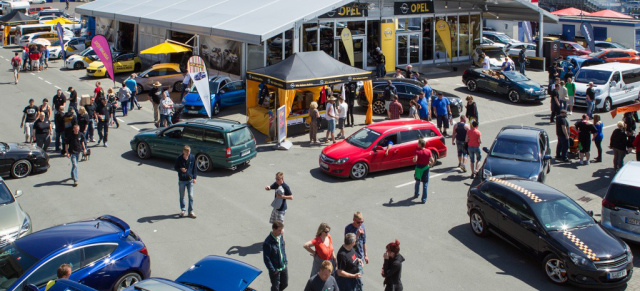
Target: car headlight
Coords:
[[486, 173], [581, 261], [629, 254], [100, 67], [529, 90], [534, 178], [597, 91], [26, 226], [341, 161]]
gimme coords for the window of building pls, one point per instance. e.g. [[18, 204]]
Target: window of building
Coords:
[[373, 41], [255, 56], [464, 34], [309, 37], [274, 50], [427, 38], [326, 37], [476, 35]]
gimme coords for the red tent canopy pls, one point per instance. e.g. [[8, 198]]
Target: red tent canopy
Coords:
[[609, 13], [570, 12]]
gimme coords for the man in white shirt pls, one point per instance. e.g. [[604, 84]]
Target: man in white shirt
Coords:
[[342, 115], [486, 62], [185, 84], [332, 115]]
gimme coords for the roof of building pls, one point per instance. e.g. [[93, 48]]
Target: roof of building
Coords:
[[570, 11], [609, 13]]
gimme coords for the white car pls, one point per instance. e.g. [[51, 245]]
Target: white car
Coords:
[[81, 60], [487, 42], [514, 49], [496, 55], [37, 1]]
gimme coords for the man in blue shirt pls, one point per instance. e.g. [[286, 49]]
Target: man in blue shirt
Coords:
[[427, 89], [132, 85], [442, 108], [424, 111]]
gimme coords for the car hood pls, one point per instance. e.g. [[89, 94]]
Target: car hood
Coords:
[[148, 132], [220, 273], [192, 98], [340, 150], [11, 218], [95, 65], [529, 85], [23, 148], [500, 166], [599, 241]]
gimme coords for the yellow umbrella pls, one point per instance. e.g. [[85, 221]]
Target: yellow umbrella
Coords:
[[165, 48], [60, 20]]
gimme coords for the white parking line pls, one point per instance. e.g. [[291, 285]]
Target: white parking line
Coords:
[[137, 129], [40, 78], [32, 74], [58, 87], [48, 82]]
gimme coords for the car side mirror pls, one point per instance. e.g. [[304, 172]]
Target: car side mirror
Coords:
[[18, 193], [590, 212], [30, 287], [612, 84], [546, 157], [485, 149], [528, 224], [378, 148]]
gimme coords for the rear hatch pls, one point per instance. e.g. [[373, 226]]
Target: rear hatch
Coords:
[[622, 205], [242, 146]]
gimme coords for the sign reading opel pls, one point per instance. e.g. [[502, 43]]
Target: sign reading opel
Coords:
[[354, 9], [419, 7]]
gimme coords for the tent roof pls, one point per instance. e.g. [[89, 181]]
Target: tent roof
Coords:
[[307, 69], [519, 10], [609, 13], [16, 16], [570, 11]]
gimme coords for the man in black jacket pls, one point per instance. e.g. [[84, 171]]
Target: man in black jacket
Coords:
[[59, 100], [275, 257], [58, 121], [154, 94], [103, 115], [187, 173], [74, 146], [351, 93], [73, 99]]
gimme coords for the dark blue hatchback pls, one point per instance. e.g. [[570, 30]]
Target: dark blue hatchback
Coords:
[[103, 254]]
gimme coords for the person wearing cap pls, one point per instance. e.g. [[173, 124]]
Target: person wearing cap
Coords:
[[380, 63], [154, 94], [343, 108], [332, 115], [441, 106]]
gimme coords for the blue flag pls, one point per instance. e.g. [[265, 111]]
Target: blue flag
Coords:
[[60, 38], [587, 31]]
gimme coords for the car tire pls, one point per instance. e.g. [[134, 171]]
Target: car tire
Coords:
[[78, 65], [606, 107], [554, 269], [143, 150], [478, 224], [378, 107], [216, 108], [127, 280], [434, 154], [177, 87], [359, 170], [137, 68], [21, 169], [139, 89], [514, 96], [472, 85], [203, 163]]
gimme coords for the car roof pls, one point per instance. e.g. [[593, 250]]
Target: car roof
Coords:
[[529, 190], [520, 133], [404, 123], [628, 174], [618, 50], [613, 66], [167, 65], [492, 32], [224, 125]]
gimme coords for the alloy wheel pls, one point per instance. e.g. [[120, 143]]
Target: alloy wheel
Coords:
[[555, 270]]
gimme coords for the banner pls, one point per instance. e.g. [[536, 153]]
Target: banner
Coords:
[[442, 27], [198, 72], [6, 34], [388, 45], [353, 9], [103, 51], [60, 35], [526, 29], [625, 109], [587, 31], [282, 123], [406, 8], [347, 41]]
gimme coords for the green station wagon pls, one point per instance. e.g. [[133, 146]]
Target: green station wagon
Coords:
[[214, 143]]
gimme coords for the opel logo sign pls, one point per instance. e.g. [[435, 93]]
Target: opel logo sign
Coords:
[[555, 46], [441, 26], [388, 32], [331, 13], [404, 8], [349, 78], [292, 85], [321, 82]]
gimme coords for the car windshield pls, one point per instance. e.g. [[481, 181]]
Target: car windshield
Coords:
[[56, 43], [595, 76], [515, 76], [363, 138], [624, 195], [5, 194], [212, 87], [515, 149], [4, 147], [596, 54], [503, 38], [86, 52], [561, 214], [13, 264], [240, 136], [578, 46], [495, 53]]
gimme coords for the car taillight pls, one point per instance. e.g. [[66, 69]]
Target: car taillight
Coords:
[[442, 139], [144, 251], [228, 152], [608, 204]]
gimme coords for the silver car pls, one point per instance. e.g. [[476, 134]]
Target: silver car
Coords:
[[621, 204], [14, 222]]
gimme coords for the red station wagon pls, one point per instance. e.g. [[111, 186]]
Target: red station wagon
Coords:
[[363, 151]]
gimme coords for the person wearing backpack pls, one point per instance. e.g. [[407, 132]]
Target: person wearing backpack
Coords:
[[16, 61]]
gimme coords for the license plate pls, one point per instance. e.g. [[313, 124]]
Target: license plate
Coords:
[[192, 111], [617, 275], [632, 221], [242, 154], [324, 165]]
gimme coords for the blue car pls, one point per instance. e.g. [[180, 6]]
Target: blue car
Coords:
[[64, 285], [574, 63], [210, 273], [103, 254], [224, 92]]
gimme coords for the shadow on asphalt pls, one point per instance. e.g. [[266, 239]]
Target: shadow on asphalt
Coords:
[[168, 165], [55, 183], [403, 203], [242, 251], [495, 97], [601, 179], [155, 218]]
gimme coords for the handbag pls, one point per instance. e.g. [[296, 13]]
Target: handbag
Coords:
[[277, 202]]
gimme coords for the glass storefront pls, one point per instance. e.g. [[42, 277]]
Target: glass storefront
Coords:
[[326, 37], [463, 36], [373, 40], [427, 39]]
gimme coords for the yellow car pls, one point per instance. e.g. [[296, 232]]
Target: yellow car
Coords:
[[127, 62]]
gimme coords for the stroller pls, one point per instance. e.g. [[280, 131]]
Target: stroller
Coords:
[[177, 113], [573, 142]]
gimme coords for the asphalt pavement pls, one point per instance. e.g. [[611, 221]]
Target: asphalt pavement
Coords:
[[233, 208]]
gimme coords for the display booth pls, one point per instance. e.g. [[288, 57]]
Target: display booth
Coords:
[[9, 23], [295, 82]]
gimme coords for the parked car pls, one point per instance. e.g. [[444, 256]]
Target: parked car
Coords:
[[542, 221], [518, 150], [165, 73], [122, 63], [50, 36], [55, 50], [224, 92], [103, 253], [621, 203], [496, 55], [15, 222], [407, 89], [570, 48], [513, 49], [600, 45], [81, 60], [479, 42], [35, 10], [51, 12], [516, 86], [210, 273], [364, 151], [616, 55], [577, 62], [614, 84], [498, 37], [19, 160], [214, 142], [66, 285], [77, 44]]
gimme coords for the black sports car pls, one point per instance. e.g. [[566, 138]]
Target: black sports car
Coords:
[[20, 160], [516, 86], [407, 89]]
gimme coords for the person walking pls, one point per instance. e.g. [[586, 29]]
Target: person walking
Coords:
[[275, 257], [83, 122], [59, 100], [474, 140], [282, 194], [112, 100], [442, 108], [343, 109], [553, 73], [562, 132], [43, 129], [69, 120], [380, 61], [124, 94], [97, 91], [166, 110], [103, 115], [571, 94], [332, 116], [133, 88], [563, 95], [618, 142], [395, 109], [91, 111], [424, 110], [636, 145], [58, 121], [185, 85], [25, 58], [349, 267], [73, 146], [320, 248], [185, 165], [522, 60], [423, 160], [486, 62], [351, 90], [323, 280], [73, 99], [585, 132], [472, 109], [314, 114], [413, 109], [16, 62], [29, 116], [555, 103], [460, 135], [598, 137], [45, 58], [392, 267], [45, 109], [154, 94], [591, 96], [357, 228], [66, 7]]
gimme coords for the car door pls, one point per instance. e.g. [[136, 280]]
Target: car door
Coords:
[[404, 95], [380, 161], [545, 150], [232, 94], [407, 146], [489, 201], [169, 139], [214, 143], [513, 213], [503, 84], [194, 137], [48, 270], [412, 91], [616, 88], [483, 82]]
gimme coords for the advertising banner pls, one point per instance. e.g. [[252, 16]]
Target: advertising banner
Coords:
[[442, 27], [406, 8], [198, 72], [526, 29], [221, 55], [388, 45], [587, 31], [103, 51], [60, 34], [282, 123], [347, 41]]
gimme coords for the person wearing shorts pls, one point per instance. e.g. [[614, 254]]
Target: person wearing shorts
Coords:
[[16, 61], [441, 106], [332, 115], [571, 92], [474, 140], [29, 117], [343, 108], [459, 136]]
